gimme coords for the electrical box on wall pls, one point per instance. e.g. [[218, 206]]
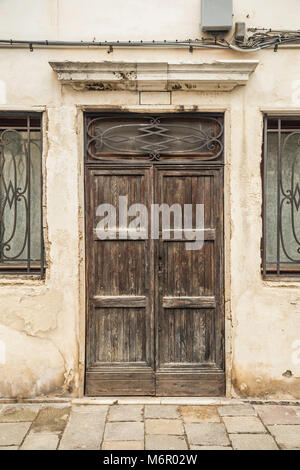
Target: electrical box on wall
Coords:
[[216, 15]]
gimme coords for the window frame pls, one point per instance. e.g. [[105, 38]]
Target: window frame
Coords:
[[277, 270], [28, 266]]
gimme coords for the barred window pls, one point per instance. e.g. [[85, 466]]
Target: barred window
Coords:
[[281, 176], [21, 240]]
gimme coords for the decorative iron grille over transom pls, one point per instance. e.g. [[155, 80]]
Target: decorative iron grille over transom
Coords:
[[154, 137]]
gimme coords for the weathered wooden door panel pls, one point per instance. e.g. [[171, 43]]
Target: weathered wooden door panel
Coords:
[[136, 288], [189, 300], [119, 294]]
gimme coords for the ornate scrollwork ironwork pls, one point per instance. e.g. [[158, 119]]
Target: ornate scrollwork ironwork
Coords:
[[13, 193], [154, 135], [18, 178], [290, 193]]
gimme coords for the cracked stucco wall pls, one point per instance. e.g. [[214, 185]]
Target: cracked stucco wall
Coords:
[[42, 322], [39, 319]]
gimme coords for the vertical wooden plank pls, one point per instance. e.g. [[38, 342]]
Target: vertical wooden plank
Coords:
[[118, 336], [190, 337]]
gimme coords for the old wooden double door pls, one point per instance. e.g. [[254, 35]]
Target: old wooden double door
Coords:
[[155, 309]]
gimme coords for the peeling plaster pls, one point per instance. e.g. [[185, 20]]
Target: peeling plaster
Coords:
[[33, 366]]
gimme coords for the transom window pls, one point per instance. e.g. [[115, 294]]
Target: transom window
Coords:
[[155, 137], [21, 242], [281, 240]]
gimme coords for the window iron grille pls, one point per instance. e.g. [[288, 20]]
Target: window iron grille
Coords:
[[21, 234], [281, 196]]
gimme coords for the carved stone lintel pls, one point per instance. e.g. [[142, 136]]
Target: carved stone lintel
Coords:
[[218, 75]]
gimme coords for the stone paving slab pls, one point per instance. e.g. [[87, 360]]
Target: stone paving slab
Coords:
[[123, 445], [124, 431], [237, 410], [51, 419], [85, 428], [287, 436], [193, 447], [243, 424], [274, 414], [200, 414], [163, 426], [165, 442], [13, 433], [207, 434], [125, 413], [18, 413], [252, 442], [161, 411], [40, 441]]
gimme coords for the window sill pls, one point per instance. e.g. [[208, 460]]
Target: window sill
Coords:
[[21, 279], [281, 281]]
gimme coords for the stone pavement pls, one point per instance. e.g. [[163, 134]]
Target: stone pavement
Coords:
[[137, 426]]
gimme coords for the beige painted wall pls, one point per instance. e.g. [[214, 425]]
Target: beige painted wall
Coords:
[[131, 19], [42, 322]]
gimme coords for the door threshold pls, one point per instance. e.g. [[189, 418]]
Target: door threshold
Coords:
[[216, 401], [141, 400]]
